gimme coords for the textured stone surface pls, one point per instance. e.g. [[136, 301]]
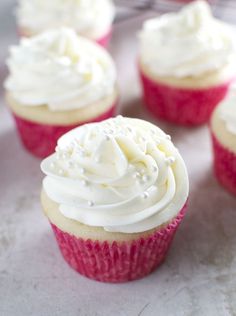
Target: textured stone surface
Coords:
[[199, 275]]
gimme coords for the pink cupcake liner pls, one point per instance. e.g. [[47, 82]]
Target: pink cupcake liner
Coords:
[[117, 262], [224, 165], [181, 106], [41, 139]]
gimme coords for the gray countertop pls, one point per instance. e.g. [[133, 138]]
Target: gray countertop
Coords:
[[199, 275]]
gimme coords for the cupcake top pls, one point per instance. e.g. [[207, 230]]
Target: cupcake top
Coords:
[[188, 43], [87, 17], [59, 69], [227, 111], [122, 174]]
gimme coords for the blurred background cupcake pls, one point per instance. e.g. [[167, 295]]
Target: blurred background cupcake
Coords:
[[115, 193], [186, 63], [90, 18], [223, 131], [58, 80]]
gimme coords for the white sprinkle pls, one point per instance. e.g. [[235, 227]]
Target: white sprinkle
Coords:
[[170, 160], [60, 172], [119, 117], [145, 195], [97, 159], [84, 183], [90, 203], [168, 137], [52, 165], [81, 152], [145, 178], [82, 170], [136, 175], [64, 156], [57, 149]]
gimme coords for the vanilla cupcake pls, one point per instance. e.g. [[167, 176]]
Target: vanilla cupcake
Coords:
[[89, 18], [115, 193], [186, 63], [223, 131], [57, 81]]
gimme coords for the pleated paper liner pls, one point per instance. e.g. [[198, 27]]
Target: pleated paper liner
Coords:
[[224, 165], [189, 107], [117, 261]]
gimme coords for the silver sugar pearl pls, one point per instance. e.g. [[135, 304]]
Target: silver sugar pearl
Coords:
[[145, 195], [136, 175], [60, 172], [52, 165], [90, 203], [82, 170], [145, 178], [84, 183]]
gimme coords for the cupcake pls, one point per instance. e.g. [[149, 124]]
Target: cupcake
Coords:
[[58, 80], [223, 131], [115, 193], [186, 64], [89, 18]]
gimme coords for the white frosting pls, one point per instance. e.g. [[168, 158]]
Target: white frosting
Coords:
[[85, 16], [227, 111], [122, 174], [60, 69], [188, 43]]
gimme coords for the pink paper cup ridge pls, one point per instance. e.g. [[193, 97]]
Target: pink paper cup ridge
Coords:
[[181, 106], [117, 262], [224, 165]]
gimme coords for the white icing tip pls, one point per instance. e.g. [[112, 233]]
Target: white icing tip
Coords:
[[145, 178]]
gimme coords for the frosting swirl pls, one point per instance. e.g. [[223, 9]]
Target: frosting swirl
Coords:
[[122, 174], [227, 110], [188, 43], [61, 70], [87, 17]]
